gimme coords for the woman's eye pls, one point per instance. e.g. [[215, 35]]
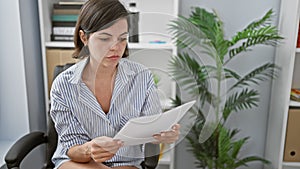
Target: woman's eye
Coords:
[[123, 39], [104, 39]]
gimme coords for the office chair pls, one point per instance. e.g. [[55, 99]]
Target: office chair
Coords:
[[27, 143]]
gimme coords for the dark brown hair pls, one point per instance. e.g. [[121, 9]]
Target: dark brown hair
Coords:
[[96, 15]]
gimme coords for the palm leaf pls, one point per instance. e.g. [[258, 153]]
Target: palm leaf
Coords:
[[204, 21], [266, 35], [262, 73], [257, 32], [251, 34], [203, 152], [238, 101], [244, 161], [186, 33], [212, 27], [231, 74], [233, 132], [191, 76], [224, 144], [237, 145], [265, 20]]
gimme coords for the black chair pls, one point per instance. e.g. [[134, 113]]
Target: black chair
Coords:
[[27, 143]]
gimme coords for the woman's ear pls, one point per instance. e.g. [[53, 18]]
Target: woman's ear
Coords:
[[83, 37]]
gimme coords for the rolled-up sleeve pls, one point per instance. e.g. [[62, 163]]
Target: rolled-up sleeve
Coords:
[[68, 128]]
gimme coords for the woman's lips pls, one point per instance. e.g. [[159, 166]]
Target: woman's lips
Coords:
[[113, 57]]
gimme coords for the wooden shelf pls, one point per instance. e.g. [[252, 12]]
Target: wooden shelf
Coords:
[[53, 44], [294, 103], [291, 164], [58, 44]]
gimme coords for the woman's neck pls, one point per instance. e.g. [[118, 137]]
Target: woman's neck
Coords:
[[100, 76], [100, 71]]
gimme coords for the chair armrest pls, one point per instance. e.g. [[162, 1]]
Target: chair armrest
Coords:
[[22, 147], [151, 156]]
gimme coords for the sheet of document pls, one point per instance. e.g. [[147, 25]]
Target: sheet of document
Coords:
[[140, 130]]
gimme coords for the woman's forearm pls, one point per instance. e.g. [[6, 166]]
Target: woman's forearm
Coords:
[[80, 153]]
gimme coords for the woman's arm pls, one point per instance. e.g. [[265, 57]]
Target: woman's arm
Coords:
[[80, 153], [73, 138], [99, 149]]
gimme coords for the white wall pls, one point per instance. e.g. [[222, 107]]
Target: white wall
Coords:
[[22, 105], [236, 14], [13, 96]]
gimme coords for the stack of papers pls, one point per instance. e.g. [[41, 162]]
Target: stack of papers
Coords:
[[141, 130]]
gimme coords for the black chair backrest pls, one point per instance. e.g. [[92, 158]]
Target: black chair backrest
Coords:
[[52, 135]]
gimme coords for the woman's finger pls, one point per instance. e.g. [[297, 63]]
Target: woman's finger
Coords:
[[176, 127], [168, 136], [102, 158], [107, 143]]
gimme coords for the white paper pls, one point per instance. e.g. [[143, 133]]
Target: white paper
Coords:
[[140, 130]]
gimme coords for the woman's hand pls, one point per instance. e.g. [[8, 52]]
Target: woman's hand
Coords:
[[104, 148], [168, 136]]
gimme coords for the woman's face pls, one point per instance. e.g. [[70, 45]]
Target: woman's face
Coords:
[[107, 46]]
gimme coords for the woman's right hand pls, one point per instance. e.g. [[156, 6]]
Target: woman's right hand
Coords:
[[104, 148]]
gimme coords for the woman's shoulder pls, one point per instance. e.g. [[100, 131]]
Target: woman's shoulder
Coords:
[[63, 77]]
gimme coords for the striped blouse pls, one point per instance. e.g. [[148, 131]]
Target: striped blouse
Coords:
[[79, 118]]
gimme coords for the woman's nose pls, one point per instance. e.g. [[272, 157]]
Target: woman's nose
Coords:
[[115, 45]]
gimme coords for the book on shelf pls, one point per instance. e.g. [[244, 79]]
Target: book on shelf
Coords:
[[67, 38], [65, 11], [298, 37], [70, 3], [65, 6], [64, 18], [57, 30], [295, 94], [63, 24]]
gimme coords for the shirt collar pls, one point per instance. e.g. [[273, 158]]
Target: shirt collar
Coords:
[[124, 71], [78, 69]]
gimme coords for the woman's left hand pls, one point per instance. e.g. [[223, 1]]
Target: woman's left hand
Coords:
[[168, 136]]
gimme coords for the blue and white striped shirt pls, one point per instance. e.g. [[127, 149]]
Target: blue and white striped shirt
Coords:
[[79, 118]]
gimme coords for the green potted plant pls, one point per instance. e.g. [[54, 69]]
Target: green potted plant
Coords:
[[214, 145]]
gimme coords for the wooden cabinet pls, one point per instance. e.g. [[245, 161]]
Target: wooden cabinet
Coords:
[[288, 59], [154, 50]]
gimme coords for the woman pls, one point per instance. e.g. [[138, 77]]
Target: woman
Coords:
[[92, 101]]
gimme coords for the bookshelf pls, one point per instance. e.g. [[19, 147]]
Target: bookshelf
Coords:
[[154, 17], [288, 59]]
